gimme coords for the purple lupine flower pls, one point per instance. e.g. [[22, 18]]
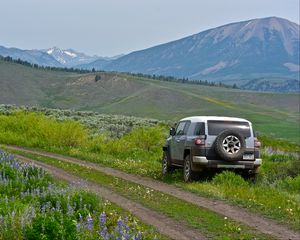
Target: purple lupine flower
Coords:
[[78, 226], [102, 218], [138, 236], [89, 221], [104, 234], [127, 236], [104, 231], [120, 223], [70, 209]]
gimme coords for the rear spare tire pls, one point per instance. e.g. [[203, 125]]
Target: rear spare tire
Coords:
[[230, 145]]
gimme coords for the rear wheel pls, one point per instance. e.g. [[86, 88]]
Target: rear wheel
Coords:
[[166, 164], [188, 173]]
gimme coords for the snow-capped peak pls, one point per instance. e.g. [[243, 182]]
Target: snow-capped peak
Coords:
[[50, 51], [71, 54], [69, 57], [53, 50]]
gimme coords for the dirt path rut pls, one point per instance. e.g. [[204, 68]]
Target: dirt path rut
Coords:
[[165, 225], [238, 214]]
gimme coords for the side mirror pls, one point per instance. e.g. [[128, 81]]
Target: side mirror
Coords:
[[172, 131]]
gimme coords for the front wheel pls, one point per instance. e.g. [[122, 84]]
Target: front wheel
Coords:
[[166, 164], [188, 173]]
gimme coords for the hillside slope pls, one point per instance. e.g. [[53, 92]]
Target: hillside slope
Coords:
[[275, 114], [267, 47]]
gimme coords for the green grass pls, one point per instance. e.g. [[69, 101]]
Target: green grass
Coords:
[[275, 203], [129, 152], [139, 152], [274, 115], [209, 223]]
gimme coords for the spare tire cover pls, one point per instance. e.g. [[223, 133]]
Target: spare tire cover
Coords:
[[230, 145]]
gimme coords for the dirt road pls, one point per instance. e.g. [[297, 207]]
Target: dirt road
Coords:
[[238, 214], [165, 225]]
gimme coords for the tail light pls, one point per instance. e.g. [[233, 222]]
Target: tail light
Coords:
[[257, 144], [200, 140]]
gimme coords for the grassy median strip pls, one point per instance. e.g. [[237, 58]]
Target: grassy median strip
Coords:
[[209, 223]]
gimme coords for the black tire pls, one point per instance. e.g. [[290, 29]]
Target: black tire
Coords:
[[230, 145], [166, 164], [188, 173]]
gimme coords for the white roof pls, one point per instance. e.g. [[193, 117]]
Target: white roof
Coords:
[[206, 118]]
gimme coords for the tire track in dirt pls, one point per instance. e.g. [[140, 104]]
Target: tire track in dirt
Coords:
[[165, 225], [238, 214]]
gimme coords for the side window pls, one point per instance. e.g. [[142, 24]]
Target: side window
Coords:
[[186, 127], [180, 128], [200, 128]]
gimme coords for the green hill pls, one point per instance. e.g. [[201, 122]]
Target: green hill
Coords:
[[113, 93]]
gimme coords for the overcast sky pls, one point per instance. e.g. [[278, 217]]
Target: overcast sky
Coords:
[[111, 27]]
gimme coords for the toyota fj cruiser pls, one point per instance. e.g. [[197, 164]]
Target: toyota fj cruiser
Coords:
[[202, 142]]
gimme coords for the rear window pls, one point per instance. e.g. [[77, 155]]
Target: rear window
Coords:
[[216, 127]]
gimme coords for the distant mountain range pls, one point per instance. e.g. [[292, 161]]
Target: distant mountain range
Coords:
[[56, 57], [100, 63], [254, 54], [267, 47], [33, 56]]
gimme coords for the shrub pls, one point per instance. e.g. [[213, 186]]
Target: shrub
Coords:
[[35, 130], [290, 184], [277, 167], [230, 179]]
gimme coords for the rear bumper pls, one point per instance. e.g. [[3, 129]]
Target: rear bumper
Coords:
[[204, 162]]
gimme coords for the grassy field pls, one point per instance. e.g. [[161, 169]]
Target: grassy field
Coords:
[[275, 194], [275, 115], [34, 206]]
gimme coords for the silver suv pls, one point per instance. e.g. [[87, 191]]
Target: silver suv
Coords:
[[204, 142]]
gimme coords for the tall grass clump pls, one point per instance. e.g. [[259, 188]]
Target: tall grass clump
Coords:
[[279, 145], [35, 130], [138, 151], [34, 207], [277, 167]]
